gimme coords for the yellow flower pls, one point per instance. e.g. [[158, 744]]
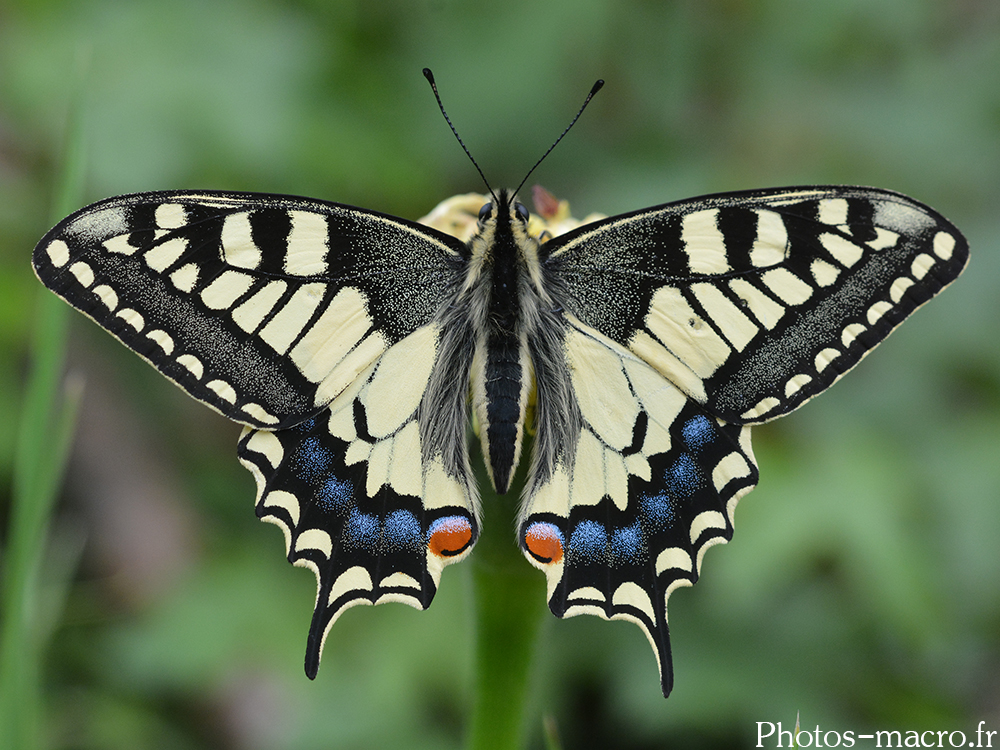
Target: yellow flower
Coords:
[[459, 215]]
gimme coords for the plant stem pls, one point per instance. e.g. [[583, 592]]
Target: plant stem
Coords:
[[509, 605]]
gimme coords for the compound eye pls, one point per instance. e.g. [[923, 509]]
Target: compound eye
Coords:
[[522, 212], [485, 211]]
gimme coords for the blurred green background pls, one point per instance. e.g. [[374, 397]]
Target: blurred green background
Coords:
[[862, 588]]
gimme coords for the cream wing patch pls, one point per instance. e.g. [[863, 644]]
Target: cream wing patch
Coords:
[[390, 394], [612, 387]]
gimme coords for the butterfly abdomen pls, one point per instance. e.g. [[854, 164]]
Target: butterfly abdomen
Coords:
[[505, 406]]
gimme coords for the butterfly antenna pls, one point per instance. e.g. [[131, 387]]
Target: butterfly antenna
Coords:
[[430, 79], [594, 89]]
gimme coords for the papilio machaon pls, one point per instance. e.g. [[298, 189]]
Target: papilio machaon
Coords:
[[355, 347]]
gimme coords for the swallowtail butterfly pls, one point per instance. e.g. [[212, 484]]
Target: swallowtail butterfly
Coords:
[[355, 347]]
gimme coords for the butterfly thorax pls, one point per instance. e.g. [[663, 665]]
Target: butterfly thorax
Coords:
[[502, 284]]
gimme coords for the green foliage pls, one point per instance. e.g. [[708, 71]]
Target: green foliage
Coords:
[[863, 584], [29, 600]]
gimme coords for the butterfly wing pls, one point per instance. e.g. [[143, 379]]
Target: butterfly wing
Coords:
[[313, 324], [262, 306], [684, 324], [646, 482], [360, 499], [754, 302]]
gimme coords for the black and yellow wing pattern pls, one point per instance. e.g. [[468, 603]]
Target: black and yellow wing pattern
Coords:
[[356, 347]]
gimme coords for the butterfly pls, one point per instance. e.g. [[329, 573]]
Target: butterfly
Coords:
[[638, 350]]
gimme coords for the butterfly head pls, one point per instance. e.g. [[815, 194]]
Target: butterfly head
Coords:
[[502, 237], [505, 210]]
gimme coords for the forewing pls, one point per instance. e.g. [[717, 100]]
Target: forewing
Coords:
[[361, 501], [643, 482], [265, 307], [754, 302]]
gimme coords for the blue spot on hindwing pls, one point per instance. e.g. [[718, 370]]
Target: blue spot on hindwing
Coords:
[[313, 463], [658, 512], [335, 495], [683, 478], [398, 531], [627, 545], [588, 544], [697, 432], [311, 460], [402, 531], [361, 531]]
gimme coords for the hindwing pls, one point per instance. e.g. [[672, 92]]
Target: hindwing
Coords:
[[361, 500], [646, 480], [752, 303]]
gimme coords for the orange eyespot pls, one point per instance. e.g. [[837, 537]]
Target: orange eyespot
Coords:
[[545, 542], [449, 536]]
